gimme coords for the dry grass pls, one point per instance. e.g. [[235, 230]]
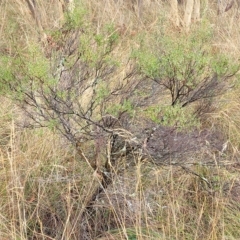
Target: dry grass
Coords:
[[44, 192], [45, 185]]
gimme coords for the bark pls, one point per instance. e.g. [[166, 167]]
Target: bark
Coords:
[[196, 11], [188, 13], [174, 7], [192, 11], [35, 14]]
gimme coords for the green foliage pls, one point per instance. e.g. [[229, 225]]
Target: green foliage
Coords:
[[113, 35], [36, 64], [76, 18], [126, 106], [180, 117], [148, 63], [52, 123], [95, 49], [102, 91], [181, 58], [72, 82], [183, 64], [5, 73], [24, 72], [175, 115], [153, 113], [224, 65]]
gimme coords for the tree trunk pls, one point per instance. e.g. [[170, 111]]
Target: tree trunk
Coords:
[[188, 13], [174, 7], [196, 11]]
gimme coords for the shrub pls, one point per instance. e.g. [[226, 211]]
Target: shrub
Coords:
[[71, 88], [186, 67], [68, 91]]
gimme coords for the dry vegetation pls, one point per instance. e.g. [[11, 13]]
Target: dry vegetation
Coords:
[[119, 159]]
